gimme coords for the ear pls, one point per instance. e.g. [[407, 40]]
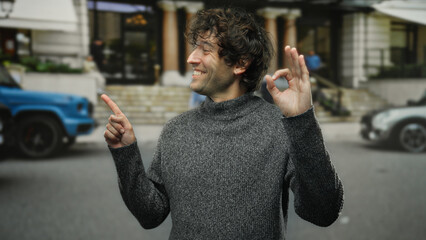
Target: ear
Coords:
[[238, 70], [241, 66]]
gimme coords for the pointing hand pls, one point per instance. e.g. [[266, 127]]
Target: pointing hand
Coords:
[[119, 132]]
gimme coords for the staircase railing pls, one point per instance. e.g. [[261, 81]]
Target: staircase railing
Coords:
[[338, 109]]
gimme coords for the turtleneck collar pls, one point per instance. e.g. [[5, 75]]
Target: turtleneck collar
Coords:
[[230, 109]]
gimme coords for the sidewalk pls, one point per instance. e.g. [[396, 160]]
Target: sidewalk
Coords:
[[150, 133], [341, 130]]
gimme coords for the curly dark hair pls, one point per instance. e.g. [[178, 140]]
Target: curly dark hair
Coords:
[[242, 40]]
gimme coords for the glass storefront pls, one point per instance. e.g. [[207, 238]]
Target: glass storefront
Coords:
[[125, 42], [403, 43], [314, 37]]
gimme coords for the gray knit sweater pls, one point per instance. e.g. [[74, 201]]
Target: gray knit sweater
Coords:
[[223, 171]]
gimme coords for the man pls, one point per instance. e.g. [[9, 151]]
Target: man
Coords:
[[223, 169]]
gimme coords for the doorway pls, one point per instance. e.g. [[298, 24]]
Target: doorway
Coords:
[[139, 48], [129, 49]]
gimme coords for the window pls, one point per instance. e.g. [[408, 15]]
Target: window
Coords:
[[403, 42]]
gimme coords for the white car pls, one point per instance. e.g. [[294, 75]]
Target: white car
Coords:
[[401, 126]]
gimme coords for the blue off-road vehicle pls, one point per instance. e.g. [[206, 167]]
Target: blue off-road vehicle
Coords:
[[40, 124]]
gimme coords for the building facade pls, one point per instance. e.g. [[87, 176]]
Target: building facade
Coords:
[[156, 46], [48, 29], [384, 40], [142, 42]]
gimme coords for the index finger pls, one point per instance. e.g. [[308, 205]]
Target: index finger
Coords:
[[111, 104]]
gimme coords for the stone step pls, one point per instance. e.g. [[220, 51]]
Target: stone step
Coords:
[[158, 104], [357, 101], [320, 112], [145, 104]]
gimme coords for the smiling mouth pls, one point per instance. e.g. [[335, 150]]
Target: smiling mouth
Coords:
[[197, 73]]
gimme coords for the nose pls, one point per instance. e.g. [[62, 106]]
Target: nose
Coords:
[[193, 58]]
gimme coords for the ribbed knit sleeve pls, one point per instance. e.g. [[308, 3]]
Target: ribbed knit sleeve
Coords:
[[146, 198], [318, 192]]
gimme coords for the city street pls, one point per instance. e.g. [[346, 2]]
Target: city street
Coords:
[[63, 63], [76, 196]]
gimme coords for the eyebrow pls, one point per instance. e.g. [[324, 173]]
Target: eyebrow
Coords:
[[207, 43]]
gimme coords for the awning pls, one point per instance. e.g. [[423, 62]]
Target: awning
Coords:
[[117, 7], [50, 15], [413, 11]]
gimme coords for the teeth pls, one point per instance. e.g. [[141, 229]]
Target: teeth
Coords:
[[197, 73]]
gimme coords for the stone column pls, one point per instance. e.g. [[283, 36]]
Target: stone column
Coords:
[[191, 8], [270, 15], [170, 66], [290, 30]]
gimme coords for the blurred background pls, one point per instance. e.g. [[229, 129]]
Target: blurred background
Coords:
[[367, 60]]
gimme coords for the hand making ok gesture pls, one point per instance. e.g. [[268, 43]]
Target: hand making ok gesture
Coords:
[[119, 132], [297, 98]]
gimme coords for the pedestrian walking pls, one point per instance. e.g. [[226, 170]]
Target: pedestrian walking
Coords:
[[223, 170]]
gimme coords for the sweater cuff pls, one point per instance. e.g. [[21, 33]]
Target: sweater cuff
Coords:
[[301, 120], [307, 112], [304, 131], [124, 154], [118, 152]]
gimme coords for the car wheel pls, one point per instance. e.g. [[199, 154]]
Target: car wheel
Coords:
[[412, 137], [39, 136]]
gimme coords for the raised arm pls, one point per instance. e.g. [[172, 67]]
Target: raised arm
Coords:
[[318, 192], [143, 195]]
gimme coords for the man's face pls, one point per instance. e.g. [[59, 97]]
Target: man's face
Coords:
[[211, 76]]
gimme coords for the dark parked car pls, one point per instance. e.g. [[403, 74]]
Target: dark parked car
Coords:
[[40, 124], [404, 127]]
